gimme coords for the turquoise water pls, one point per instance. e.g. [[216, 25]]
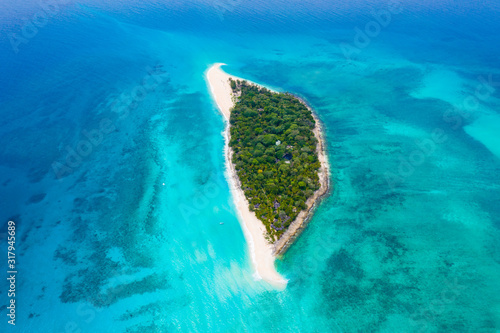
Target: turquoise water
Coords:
[[123, 234]]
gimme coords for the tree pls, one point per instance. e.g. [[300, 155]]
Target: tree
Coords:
[[258, 120], [233, 84]]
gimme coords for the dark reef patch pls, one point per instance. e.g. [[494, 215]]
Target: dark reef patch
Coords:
[[68, 256], [36, 198], [35, 175]]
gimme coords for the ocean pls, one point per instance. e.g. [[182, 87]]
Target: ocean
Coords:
[[112, 165]]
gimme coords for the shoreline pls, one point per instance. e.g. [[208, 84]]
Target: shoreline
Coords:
[[262, 252], [297, 226]]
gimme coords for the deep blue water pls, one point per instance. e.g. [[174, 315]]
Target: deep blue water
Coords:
[[112, 166]]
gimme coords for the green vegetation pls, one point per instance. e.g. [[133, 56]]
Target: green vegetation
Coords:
[[274, 153]]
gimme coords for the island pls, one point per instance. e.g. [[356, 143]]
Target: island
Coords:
[[276, 165]]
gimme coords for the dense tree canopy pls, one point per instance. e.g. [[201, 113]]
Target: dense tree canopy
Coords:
[[274, 153]]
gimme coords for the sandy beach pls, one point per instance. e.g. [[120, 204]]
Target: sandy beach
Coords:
[[262, 252]]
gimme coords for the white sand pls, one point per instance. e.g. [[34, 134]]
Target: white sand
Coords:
[[260, 250]]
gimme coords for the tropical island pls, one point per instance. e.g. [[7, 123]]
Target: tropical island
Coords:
[[276, 164], [274, 153]]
